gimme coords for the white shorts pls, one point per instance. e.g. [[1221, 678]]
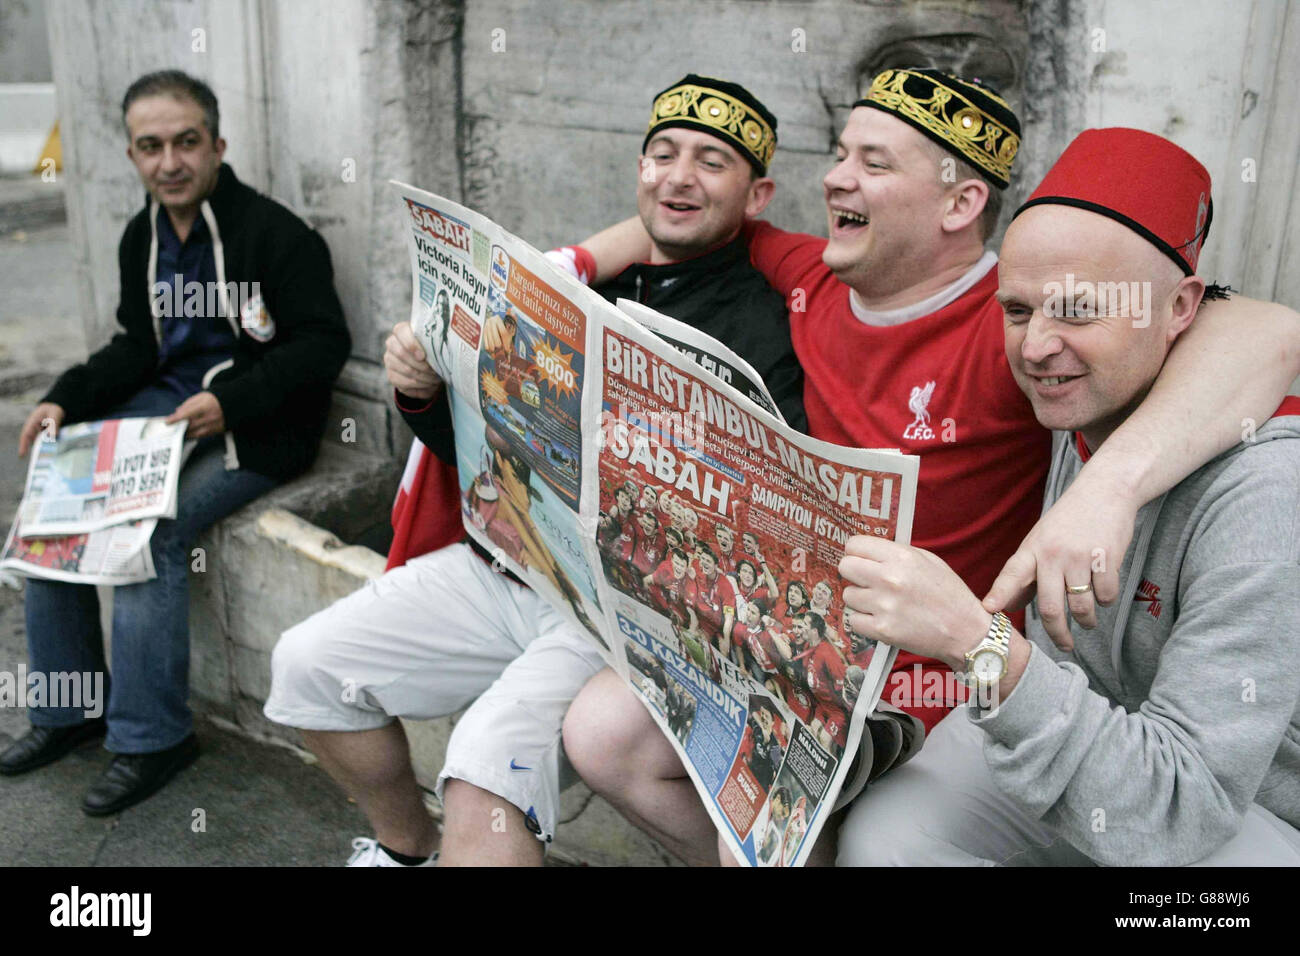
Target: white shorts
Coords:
[[944, 809], [423, 641]]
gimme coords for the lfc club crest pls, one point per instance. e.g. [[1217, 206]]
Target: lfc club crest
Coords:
[[919, 404]]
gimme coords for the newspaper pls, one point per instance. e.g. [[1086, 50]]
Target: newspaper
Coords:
[[116, 555], [98, 474], [706, 351], [93, 498], [671, 515]]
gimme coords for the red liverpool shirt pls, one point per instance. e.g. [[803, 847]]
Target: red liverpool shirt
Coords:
[[937, 386]]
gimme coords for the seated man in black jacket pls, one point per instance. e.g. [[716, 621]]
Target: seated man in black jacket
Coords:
[[229, 323], [427, 638]]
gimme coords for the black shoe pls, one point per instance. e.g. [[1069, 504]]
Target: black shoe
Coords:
[[42, 745], [131, 778]]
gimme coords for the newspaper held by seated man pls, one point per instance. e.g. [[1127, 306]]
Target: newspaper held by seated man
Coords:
[[93, 496]]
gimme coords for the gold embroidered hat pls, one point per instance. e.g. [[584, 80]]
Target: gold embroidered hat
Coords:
[[726, 110], [964, 117]]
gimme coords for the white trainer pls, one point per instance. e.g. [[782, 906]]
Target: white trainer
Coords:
[[366, 851]]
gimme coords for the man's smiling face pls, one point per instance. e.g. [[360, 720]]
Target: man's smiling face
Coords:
[[679, 566], [1085, 366], [173, 150], [694, 192], [884, 200]]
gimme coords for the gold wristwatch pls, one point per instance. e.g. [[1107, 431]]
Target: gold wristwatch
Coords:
[[987, 661]]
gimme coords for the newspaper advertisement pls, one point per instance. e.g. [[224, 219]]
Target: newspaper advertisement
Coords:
[[509, 334], [98, 474], [642, 481], [116, 555]]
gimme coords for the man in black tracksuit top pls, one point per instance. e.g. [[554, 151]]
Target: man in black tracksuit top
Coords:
[[431, 636], [229, 323]]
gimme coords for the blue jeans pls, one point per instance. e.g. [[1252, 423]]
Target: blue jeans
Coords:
[[148, 692]]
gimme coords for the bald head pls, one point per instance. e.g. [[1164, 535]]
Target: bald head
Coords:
[[1086, 243]]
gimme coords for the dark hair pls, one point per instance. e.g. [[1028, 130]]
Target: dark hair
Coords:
[[745, 561], [178, 84], [762, 703], [815, 621], [803, 589], [678, 553], [703, 548]]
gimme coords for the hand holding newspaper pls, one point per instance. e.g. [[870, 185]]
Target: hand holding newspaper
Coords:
[[92, 500], [636, 473]]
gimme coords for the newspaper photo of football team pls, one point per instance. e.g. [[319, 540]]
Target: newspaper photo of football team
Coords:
[[732, 593]]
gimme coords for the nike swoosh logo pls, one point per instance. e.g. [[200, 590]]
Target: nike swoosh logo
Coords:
[[515, 766]]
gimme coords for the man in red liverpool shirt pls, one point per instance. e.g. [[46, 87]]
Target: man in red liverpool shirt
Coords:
[[824, 673], [792, 654], [1139, 748], [726, 540], [713, 598], [896, 324], [756, 637], [668, 588], [753, 587], [649, 548]]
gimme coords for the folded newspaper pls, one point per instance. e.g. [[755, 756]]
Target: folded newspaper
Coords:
[[637, 474], [117, 555], [93, 497]]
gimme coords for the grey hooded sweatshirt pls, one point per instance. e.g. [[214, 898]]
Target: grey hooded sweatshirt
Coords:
[[1147, 743]]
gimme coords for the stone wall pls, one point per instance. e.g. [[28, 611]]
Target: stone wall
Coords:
[[24, 52], [1219, 80], [533, 113]]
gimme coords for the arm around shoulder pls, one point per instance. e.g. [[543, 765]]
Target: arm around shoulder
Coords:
[[1223, 377]]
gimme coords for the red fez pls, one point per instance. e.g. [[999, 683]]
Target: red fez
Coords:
[[1139, 179]]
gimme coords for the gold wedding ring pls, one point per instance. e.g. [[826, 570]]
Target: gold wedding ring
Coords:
[[1078, 588]]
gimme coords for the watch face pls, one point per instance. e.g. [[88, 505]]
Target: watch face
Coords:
[[987, 666]]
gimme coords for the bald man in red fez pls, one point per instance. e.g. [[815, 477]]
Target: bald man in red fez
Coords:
[[1168, 735]]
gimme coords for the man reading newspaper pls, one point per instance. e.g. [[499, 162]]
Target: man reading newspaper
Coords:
[[895, 322], [429, 637], [229, 323], [1170, 735]]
